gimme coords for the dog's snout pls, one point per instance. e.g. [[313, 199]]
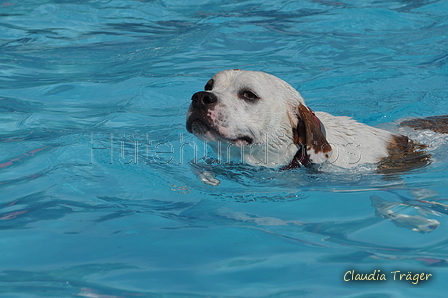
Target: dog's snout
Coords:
[[203, 98]]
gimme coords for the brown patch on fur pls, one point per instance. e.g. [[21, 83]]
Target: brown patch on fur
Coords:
[[434, 123], [299, 133], [308, 132], [404, 155]]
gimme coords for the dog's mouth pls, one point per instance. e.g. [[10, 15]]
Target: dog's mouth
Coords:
[[244, 139], [206, 132]]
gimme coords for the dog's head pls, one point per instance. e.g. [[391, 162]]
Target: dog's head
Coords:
[[248, 108]]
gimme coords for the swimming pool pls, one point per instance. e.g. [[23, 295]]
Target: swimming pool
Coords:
[[98, 191]]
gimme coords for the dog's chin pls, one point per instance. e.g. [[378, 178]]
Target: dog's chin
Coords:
[[208, 133]]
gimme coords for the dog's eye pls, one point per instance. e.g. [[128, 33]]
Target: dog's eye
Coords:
[[209, 85], [248, 95]]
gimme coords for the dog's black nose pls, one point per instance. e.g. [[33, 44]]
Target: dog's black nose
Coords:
[[203, 98]]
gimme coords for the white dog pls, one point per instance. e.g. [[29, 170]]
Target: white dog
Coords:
[[263, 121]]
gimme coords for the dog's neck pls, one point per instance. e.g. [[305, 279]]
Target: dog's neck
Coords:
[[301, 159]]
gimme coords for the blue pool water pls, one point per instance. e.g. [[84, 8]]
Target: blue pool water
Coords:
[[98, 191]]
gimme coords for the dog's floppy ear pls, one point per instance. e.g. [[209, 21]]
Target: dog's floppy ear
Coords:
[[309, 134]]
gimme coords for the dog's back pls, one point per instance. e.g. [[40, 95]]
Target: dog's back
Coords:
[[408, 154]]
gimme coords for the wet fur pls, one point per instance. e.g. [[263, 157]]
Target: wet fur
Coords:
[[406, 154]]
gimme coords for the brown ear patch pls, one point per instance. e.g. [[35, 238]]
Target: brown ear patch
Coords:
[[434, 123], [404, 155], [308, 133]]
